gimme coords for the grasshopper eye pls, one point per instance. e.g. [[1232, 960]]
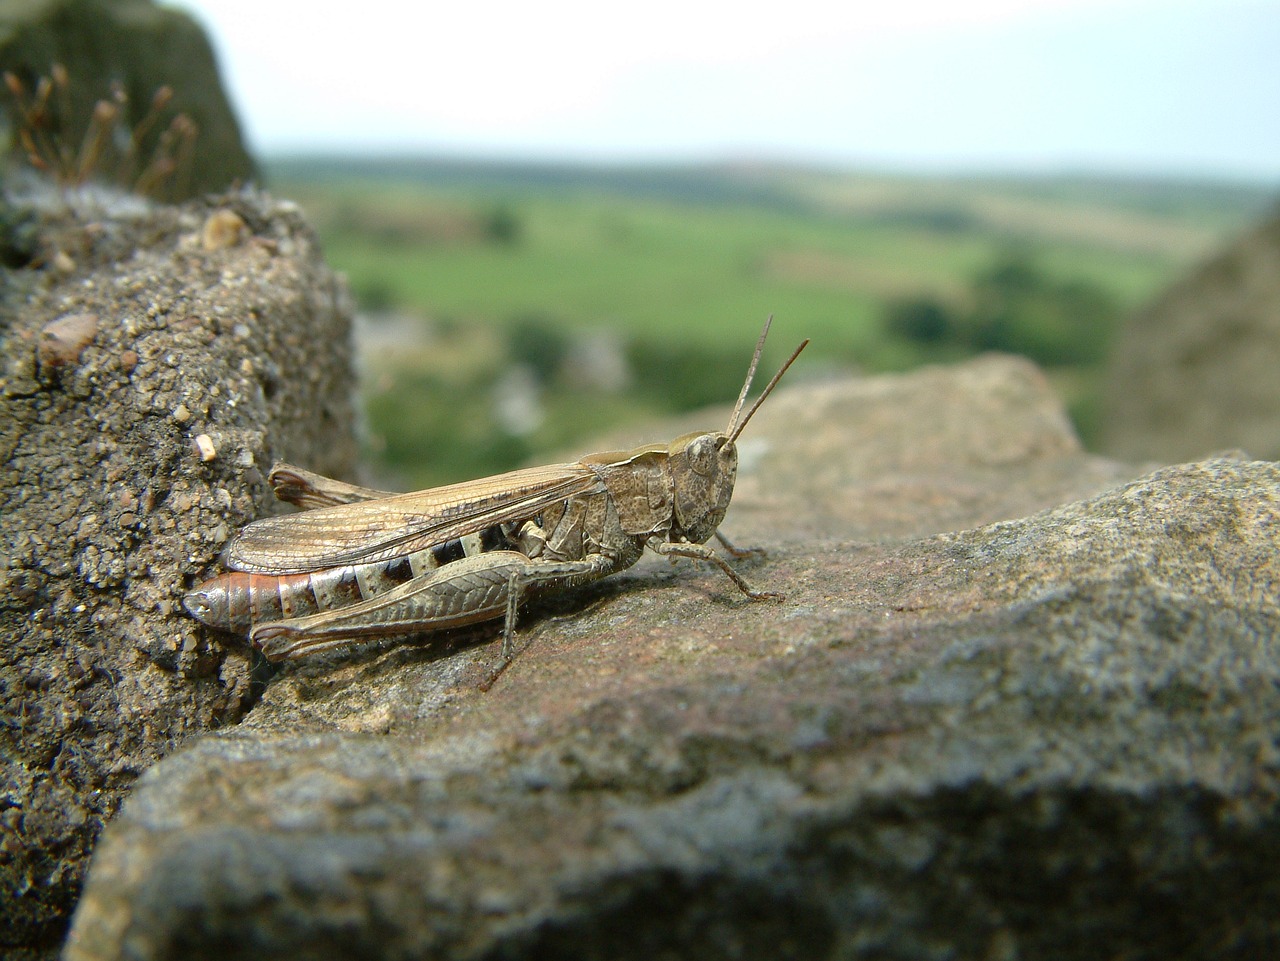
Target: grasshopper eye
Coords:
[[702, 453]]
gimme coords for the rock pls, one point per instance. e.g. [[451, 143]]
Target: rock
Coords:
[[63, 340], [110, 508], [223, 229], [142, 46], [1195, 371], [981, 725]]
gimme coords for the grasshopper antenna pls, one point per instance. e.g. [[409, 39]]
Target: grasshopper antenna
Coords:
[[736, 426], [751, 372]]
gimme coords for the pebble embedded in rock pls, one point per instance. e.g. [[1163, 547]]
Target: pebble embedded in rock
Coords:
[[63, 340]]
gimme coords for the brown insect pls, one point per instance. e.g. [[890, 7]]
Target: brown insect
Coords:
[[360, 563]]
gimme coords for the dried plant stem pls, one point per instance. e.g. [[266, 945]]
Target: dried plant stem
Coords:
[[108, 149]]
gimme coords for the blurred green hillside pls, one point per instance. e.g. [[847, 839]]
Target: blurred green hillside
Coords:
[[515, 309]]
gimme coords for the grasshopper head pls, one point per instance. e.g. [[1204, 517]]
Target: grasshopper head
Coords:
[[704, 466], [703, 469]]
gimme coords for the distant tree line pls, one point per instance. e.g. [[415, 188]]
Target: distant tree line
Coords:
[[1012, 306]]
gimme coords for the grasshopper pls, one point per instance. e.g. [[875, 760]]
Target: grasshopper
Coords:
[[358, 563]]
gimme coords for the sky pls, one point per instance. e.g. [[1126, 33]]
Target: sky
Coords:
[[1178, 87]]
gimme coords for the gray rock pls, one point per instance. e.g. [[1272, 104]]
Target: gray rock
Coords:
[[142, 46], [980, 726], [147, 381], [1195, 371]]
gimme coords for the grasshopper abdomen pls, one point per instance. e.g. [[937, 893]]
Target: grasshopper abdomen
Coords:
[[237, 600]]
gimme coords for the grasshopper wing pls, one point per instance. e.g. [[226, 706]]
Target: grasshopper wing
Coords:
[[309, 490], [379, 530]]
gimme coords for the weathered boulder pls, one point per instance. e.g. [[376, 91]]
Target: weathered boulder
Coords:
[[142, 46], [1017, 703], [152, 361], [1196, 370]]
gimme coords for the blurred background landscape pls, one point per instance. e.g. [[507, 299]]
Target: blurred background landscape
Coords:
[[513, 309], [568, 220]]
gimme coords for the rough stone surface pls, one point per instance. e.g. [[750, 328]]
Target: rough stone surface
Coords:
[[142, 46], [981, 726], [1195, 372], [121, 344]]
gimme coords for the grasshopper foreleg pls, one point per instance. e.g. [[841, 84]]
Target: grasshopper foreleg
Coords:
[[703, 553], [464, 592], [739, 552]]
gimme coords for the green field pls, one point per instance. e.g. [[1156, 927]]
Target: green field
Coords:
[[485, 279]]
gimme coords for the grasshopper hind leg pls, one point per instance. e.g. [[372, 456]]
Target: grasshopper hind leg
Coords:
[[514, 590]]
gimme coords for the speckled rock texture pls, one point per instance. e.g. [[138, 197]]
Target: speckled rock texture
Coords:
[[153, 361], [1019, 703]]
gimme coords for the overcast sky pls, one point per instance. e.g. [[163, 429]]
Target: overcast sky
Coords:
[[1142, 86]]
